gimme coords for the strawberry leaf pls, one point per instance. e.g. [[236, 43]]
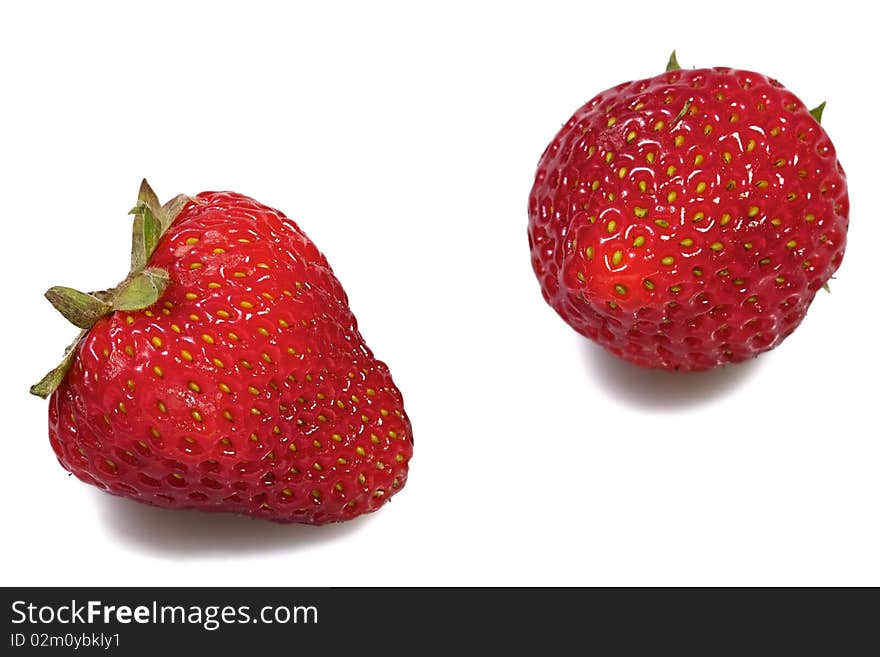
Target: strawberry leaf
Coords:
[[151, 220], [152, 233], [147, 197], [141, 291], [138, 246], [79, 308], [145, 234], [672, 65], [147, 227], [168, 212], [47, 385], [816, 112]]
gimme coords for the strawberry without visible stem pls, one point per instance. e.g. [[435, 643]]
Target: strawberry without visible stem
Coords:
[[227, 373], [687, 220]]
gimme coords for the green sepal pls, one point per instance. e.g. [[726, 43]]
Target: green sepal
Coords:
[[672, 65], [152, 233], [168, 212], [147, 197], [49, 383], [816, 112], [151, 220], [141, 291], [147, 227], [80, 309], [145, 234], [138, 249]]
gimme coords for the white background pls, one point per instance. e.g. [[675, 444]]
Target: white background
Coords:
[[403, 138]]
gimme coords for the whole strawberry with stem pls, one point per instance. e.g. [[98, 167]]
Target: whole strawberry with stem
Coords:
[[688, 220], [226, 373]]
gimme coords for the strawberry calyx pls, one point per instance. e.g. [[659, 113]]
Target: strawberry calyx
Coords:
[[141, 288]]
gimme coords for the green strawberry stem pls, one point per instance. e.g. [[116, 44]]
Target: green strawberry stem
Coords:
[[141, 288], [673, 63]]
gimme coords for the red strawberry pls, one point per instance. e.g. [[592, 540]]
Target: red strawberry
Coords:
[[687, 220], [226, 373]]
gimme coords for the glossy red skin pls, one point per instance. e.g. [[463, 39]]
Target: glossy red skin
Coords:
[[274, 363], [783, 237]]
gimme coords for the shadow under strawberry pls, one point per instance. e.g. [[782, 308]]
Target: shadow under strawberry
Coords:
[[192, 533], [665, 390]]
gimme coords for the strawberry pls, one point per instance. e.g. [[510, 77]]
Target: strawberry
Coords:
[[226, 373], [687, 220]]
